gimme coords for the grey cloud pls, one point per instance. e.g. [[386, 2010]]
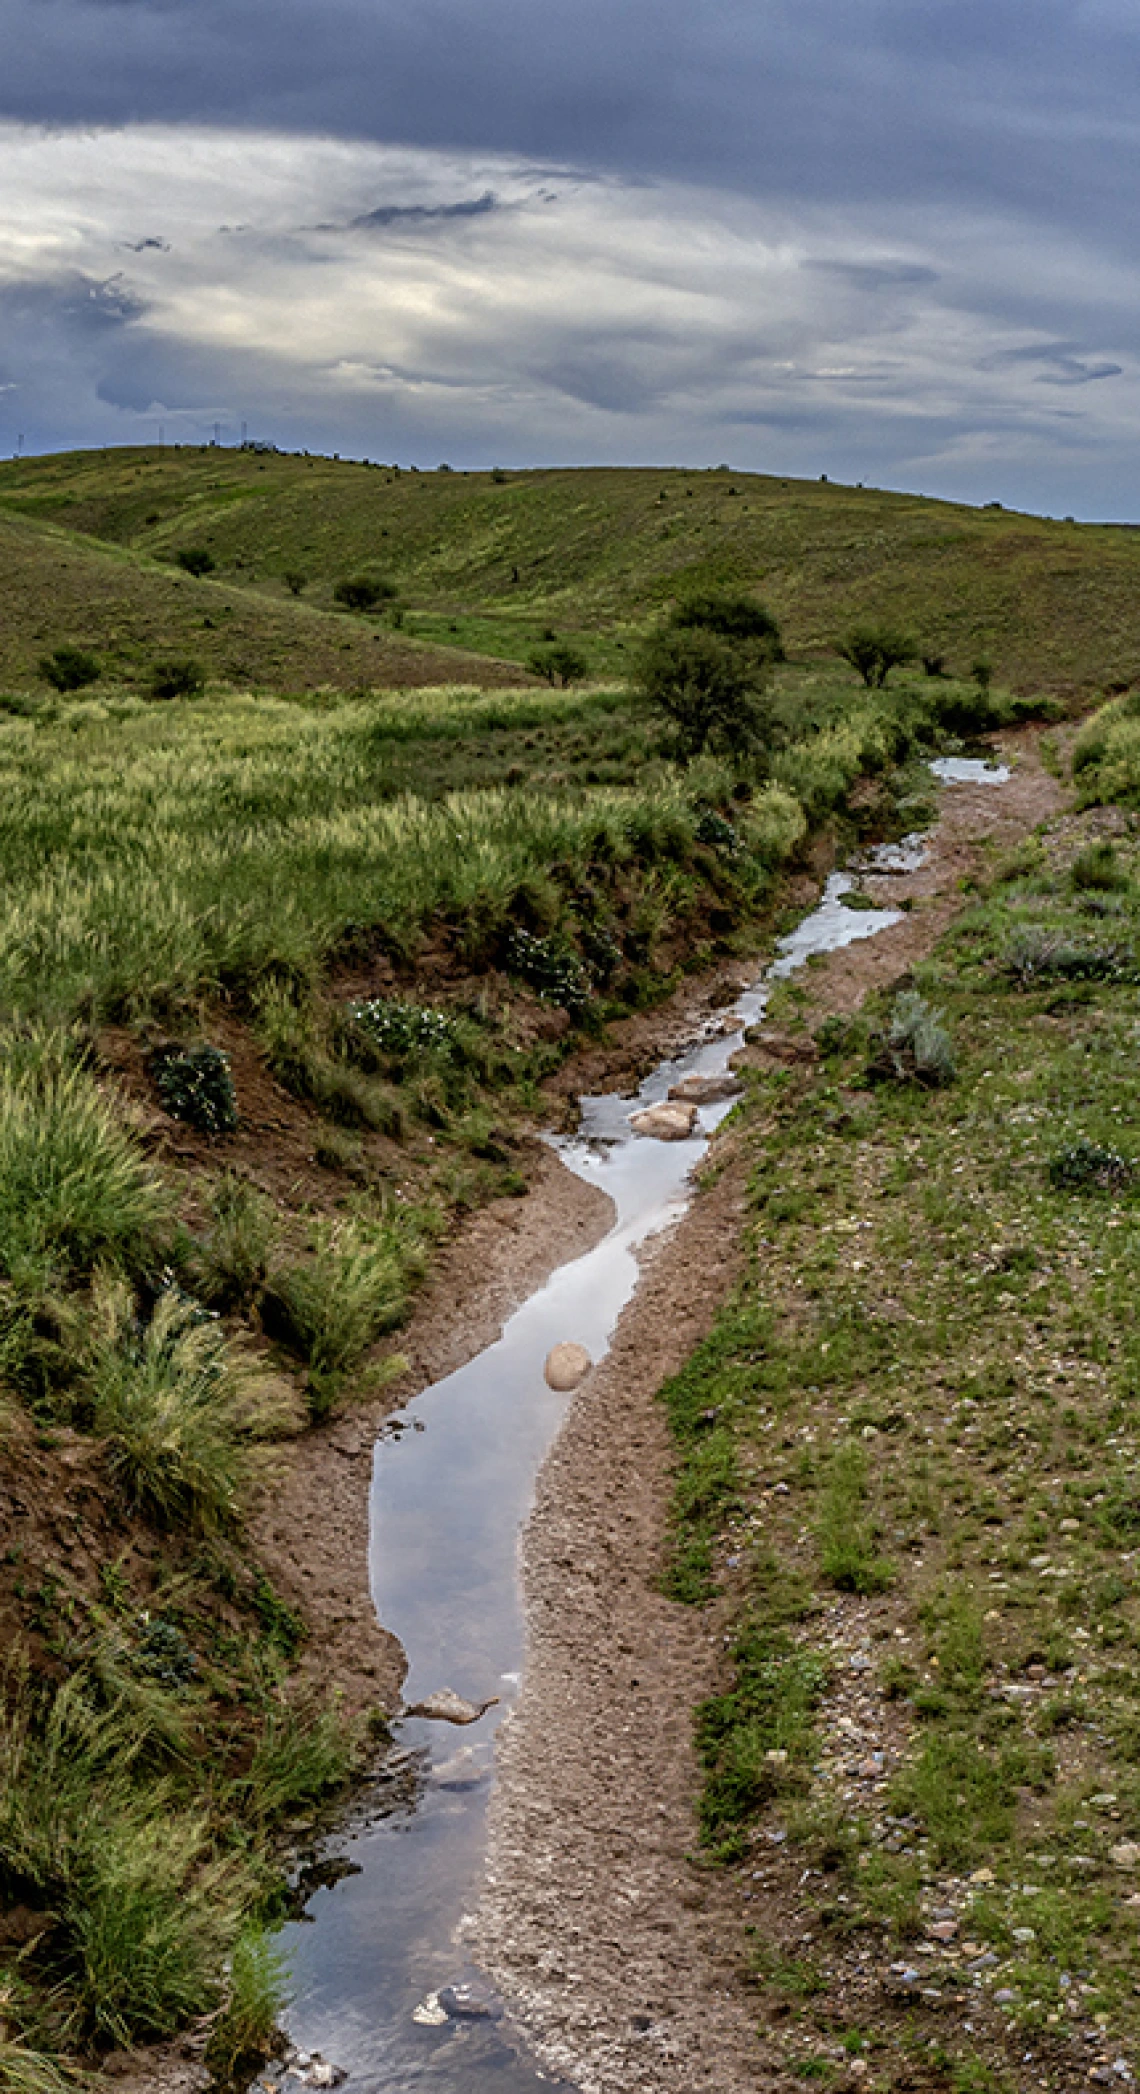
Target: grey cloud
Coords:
[[1065, 363], [141, 246], [877, 276], [422, 214]]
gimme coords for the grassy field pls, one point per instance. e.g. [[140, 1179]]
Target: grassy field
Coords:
[[907, 1461], [495, 563]]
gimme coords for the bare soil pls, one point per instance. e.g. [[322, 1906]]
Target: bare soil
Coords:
[[620, 1954]]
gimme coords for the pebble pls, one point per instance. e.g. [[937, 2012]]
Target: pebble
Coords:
[[1126, 1855], [943, 1930], [448, 1707], [705, 1090]]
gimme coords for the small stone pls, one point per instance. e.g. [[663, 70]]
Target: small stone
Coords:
[[1104, 1802], [566, 1365], [1070, 1526], [982, 1876], [430, 2014], [705, 1090], [666, 1123], [446, 1707], [470, 2003], [1126, 1855], [1005, 1997], [1024, 1934], [943, 1930]]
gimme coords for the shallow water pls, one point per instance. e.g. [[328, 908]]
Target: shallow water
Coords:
[[449, 1498], [969, 770]]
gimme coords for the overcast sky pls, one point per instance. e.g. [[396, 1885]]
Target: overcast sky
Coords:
[[889, 240]]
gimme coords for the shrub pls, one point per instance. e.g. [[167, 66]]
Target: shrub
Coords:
[[177, 678], [405, 1028], [558, 664], [73, 1186], [174, 1401], [195, 1085], [737, 618], [874, 650], [556, 973], [294, 580], [710, 691], [982, 673], [1034, 954], [70, 668], [717, 832], [1086, 1166], [363, 592], [1098, 868], [196, 559], [914, 1046]]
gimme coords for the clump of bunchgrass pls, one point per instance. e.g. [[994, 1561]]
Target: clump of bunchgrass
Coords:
[[336, 1305], [848, 1556], [234, 1260], [256, 1996], [74, 1187], [1033, 954], [174, 1401], [1097, 868]]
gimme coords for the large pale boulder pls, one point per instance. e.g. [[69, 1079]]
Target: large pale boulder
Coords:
[[666, 1123], [566, 1365]]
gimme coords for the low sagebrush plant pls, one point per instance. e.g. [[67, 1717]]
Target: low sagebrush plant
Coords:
[[175, 1403], [74, 1188], [914, 1045]]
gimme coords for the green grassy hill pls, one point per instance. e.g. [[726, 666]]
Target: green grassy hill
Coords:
[[493, 562]]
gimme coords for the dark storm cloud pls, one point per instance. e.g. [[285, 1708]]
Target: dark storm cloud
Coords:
[[1013, 101]]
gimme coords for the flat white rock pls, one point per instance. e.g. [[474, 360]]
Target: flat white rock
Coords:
[[447, 1707]]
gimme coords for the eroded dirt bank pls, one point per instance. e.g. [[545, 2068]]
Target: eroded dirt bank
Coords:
[[618, 1956]]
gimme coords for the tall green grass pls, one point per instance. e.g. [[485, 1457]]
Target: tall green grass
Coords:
[[74, 1187]]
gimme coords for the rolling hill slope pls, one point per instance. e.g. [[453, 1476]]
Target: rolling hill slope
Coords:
[[493, 562]]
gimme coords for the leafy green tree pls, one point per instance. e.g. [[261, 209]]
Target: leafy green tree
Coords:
[[558, 664], [735, 617], [196, 559], [70, 668], [364, 592], [710, 691], [874, 650]]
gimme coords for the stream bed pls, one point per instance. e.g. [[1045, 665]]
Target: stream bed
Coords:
[[381, 1989]]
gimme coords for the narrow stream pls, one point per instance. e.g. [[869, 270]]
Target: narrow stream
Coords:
[[381, 1989]]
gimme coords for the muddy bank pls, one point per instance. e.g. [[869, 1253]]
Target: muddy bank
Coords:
[[618, 1954]]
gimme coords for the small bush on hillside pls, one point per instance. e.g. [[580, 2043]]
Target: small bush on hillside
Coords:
[[710, 692], [558, 664], [874, 650], [70, 668], [196, 559], [1033, 955], [294, 580], [717, 832], [1098, 869], [914, 1046], [557, 974], [363, 592], [177, 678], [1083, 1166], [406, 1028], [195, 1085]]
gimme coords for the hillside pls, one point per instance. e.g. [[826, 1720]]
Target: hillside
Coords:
[[493, 561]]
